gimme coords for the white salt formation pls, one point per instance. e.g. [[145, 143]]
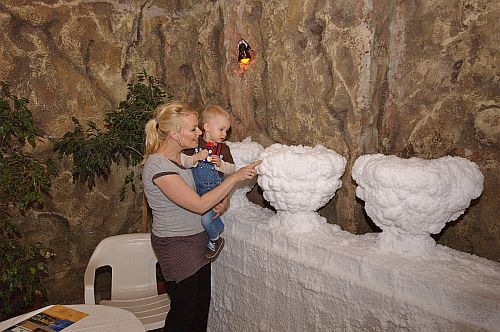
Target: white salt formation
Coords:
[[267, 279], [270, 279], [299, 178], [411, 198], [297, 181], [244, 153]]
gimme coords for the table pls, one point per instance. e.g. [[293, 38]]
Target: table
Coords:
[[101, 318]]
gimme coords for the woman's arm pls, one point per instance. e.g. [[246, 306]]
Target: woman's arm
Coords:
[[179, 192]]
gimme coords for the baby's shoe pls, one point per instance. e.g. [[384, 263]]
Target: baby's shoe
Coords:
[[214, 247]]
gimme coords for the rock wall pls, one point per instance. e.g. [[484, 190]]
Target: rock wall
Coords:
[[410, 78]]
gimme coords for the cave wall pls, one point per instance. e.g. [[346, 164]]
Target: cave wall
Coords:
[[410, 78]]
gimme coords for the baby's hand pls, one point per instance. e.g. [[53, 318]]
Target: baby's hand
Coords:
[[215, 159], [202, 155]]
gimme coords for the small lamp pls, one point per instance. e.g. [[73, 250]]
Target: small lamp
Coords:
[[244, 52]]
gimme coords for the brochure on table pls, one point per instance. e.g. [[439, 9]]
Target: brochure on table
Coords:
[[55, 318]]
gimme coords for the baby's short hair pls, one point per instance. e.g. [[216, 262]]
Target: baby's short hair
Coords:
[[213, 111]]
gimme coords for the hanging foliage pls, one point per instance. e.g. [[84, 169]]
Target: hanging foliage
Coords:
[[94, 150], [24, 180]]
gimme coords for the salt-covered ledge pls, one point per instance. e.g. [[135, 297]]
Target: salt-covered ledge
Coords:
[[273, 276], [268, 280]]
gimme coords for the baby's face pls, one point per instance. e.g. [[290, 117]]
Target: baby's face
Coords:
[[216, 129]]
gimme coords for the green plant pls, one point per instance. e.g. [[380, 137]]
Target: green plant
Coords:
[[23, 181], [95, 150]]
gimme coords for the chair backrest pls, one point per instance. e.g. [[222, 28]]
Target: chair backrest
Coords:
[[133, 263]]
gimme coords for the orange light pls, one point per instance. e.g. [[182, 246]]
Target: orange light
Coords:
[[244, 52]]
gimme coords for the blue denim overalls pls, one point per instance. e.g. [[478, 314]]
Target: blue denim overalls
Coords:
[[206, 177]]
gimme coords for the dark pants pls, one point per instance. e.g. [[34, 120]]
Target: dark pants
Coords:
[[189, 302]]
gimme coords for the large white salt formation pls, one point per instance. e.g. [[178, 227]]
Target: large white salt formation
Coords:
[[244, 153], [411, 198], [297, 181], [270, 279]]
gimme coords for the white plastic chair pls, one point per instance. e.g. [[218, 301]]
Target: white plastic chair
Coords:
[[133, 279]]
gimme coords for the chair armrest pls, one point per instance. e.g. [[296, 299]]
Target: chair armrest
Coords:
[[88, 281]]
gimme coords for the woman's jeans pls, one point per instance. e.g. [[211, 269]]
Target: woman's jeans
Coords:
[[206, 178]]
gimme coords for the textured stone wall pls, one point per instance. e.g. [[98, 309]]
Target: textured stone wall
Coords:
[[411, 78]]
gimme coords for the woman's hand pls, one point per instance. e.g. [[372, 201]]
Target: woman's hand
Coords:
[[248, 172], [221, 207]]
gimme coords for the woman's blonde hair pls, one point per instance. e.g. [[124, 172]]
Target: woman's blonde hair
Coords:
[[167, 118], [211, 112]]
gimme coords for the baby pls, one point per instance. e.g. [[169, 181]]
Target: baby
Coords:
[[211, 160]]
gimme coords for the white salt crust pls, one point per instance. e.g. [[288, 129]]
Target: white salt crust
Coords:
[[244, 153], [299, 178], [268, 279], [275, 274], [411, 198]]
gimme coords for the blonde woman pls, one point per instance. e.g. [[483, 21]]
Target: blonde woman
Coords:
[[178, 236]]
